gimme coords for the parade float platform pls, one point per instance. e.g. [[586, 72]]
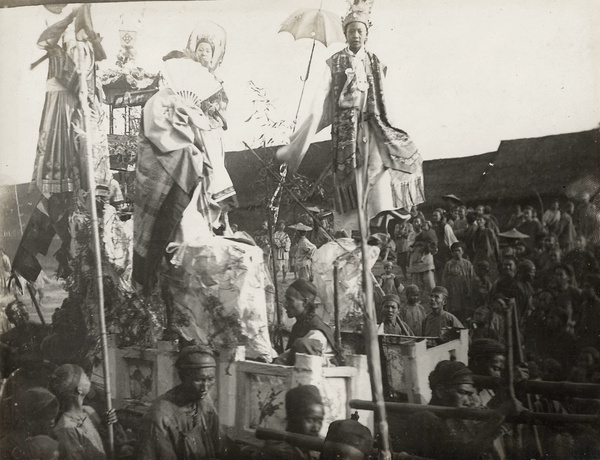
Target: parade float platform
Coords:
[[250, 394]]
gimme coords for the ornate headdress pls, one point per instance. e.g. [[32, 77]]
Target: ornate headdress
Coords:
[[360, 11], [211, 33]]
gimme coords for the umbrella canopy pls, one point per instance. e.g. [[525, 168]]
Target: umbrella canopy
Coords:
[[514, 234], [323, 26], [452, 197], [301, 227]]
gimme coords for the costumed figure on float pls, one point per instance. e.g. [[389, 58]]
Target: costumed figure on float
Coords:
[[351, 100], [216, 284]]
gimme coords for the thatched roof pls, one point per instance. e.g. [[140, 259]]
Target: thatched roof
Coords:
[[459, 176], [544, 165]]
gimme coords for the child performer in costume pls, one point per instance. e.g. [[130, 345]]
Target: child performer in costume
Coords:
[[364, 142]]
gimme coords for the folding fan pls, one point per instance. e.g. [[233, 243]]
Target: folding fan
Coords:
[[191, 80]]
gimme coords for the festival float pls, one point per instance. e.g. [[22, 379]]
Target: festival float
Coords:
[[215, 288]]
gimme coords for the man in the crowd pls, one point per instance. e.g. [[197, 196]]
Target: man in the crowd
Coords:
[[526, 274], [445, 239], [567, 296], [282, 243], [34, 414], [522, 251], [412, 312], [261, 237], [436, 437], [439, 319], [509, 287], [23, 340], [348, 440], [309, 334], [305, 251], [566, 229], [392, 324], [421, 266], [551, 218], [587, 330], [516, 218], [458, 279], [581, 259], [304, 412], [491, 219], [404, 236], [460, 224], [556, 341], [531, 227], [543, 259], [487, 357], [183, 423]]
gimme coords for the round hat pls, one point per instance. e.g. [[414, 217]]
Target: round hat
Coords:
[[299, 399], [351, 433], [514, 234], [450, 373], [486, 347], [391, 298], [195, 357]]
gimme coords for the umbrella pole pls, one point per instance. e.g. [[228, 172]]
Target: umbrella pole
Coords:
[[83, 93], [372, 342], [312, 51]]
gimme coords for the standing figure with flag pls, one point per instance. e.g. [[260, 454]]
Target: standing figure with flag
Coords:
[[351, 100]]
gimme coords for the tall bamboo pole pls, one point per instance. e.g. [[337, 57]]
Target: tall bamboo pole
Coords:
[[372, 343], [19, 211], [83, 99], [336, 306]]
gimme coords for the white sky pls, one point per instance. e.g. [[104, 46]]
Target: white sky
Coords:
[[462, 74]]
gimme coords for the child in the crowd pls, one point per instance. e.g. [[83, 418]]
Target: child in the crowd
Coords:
[[412, 312], [77, 428], [489, 322], [481, 284], [388, 281], [587, 369]]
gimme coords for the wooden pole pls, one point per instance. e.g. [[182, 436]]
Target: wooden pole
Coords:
[[552, 390], [278, 338], [19, 211], [336, 306], [275, 284], [35, 302], [515, 324], [535, 418], [314, 443], [372, 343], [83, 100], [312, 52], [510, 359]]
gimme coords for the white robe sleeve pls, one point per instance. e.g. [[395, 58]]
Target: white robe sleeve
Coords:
[[318, 335], [319, 118]]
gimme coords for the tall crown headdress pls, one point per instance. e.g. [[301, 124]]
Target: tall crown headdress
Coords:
[[360, 11]]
